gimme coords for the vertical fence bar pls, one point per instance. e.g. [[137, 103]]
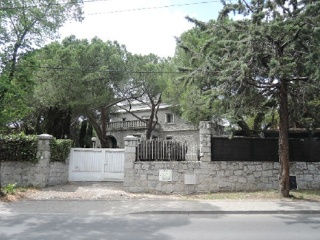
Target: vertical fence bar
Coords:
[[145, 150], [152, 150], [159, 150], [162, 151]]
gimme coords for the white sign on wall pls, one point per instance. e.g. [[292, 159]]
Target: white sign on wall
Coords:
[[165, 175], [189, 178]]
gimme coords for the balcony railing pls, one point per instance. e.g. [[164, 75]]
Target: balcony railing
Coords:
[[128, 125]]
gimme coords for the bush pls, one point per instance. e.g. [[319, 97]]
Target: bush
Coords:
[[10, 188], [18, 147], [60, 149]]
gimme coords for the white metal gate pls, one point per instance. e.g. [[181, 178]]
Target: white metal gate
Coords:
[[96, 164]]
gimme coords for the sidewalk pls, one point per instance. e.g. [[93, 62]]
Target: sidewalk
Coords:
[[134, 206], [109, 198]]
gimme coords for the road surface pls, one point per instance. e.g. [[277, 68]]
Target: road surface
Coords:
[[144, 226]]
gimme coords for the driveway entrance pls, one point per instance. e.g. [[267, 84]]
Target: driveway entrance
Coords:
[[96, 164]]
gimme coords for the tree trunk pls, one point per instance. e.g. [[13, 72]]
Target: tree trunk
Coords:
[[150, 124], [284, 140], [105, 140]]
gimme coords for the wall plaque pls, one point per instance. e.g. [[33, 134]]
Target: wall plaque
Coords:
[[165, 175]]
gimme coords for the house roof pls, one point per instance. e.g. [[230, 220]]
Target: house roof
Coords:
[[136, 107]]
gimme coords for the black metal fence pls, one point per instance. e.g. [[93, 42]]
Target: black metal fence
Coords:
[[160, 150], [263, 149]]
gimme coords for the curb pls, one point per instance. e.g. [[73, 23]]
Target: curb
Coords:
[[236, 212]]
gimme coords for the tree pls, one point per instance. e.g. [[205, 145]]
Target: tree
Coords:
[[89, 78], [26, 24], [148, 78], [263, 57], [195, 55], [191, 89]]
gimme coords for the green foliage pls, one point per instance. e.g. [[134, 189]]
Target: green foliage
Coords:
[[11, 188], [16, 93], [149, 81], [241, 63], [92, 77], [91, 74], [271, 53], [85, 134], [26, 24], [60, 149], [18, 148]]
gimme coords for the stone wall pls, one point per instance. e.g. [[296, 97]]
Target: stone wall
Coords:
[[203, 177], [40, 174], [209, 176], [59, 173]]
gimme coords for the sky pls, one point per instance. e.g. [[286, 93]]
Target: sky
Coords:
[[151, 30]]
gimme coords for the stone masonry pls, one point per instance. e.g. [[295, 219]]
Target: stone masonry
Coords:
[[209, 176], [40, 174]]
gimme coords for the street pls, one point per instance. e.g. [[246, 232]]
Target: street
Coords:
[[158, 226]]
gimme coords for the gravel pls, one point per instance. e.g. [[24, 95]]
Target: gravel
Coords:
[[90, 191]]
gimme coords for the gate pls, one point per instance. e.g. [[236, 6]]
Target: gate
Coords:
[[96, 164]]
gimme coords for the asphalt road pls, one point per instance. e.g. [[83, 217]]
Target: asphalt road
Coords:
[[95, 226]]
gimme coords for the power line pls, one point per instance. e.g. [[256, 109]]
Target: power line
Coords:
[[153, 8], [52, 4], [110, 12]]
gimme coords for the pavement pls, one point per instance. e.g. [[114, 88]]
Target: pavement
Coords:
[[138, 206], [109, 198]]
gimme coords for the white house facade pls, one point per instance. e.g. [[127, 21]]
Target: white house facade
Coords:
[[169, 127]]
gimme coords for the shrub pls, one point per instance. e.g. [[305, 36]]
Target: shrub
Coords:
[[18, 147], [59, 149], [10, 188]]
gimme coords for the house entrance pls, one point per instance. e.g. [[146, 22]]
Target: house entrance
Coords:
[[112, 142]]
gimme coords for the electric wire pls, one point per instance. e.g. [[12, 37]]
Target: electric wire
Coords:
[[52, 4], [153, 8], [115, 11]]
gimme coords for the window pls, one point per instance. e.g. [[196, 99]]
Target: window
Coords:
[[169, 118], [123, 119]]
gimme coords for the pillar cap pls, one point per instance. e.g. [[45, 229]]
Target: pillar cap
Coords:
[[45, 136], [130, 138]]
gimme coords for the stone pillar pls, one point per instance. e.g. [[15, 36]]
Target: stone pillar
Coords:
[[130, 143], [44, 160], [205, 141]]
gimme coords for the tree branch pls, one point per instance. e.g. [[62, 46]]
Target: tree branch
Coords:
[[304, 79], [135, 115], [296, 35], [248, 6]]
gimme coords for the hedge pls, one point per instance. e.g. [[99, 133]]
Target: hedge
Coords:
[[59, 149], [18, 147]]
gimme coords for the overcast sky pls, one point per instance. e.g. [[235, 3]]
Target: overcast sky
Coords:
[[151, 30]]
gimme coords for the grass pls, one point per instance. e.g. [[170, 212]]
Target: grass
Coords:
[[11, 192], [313, 195]]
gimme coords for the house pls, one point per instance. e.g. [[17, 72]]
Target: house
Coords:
[[169, 127]]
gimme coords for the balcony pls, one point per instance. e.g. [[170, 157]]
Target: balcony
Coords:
[[135, 124]]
